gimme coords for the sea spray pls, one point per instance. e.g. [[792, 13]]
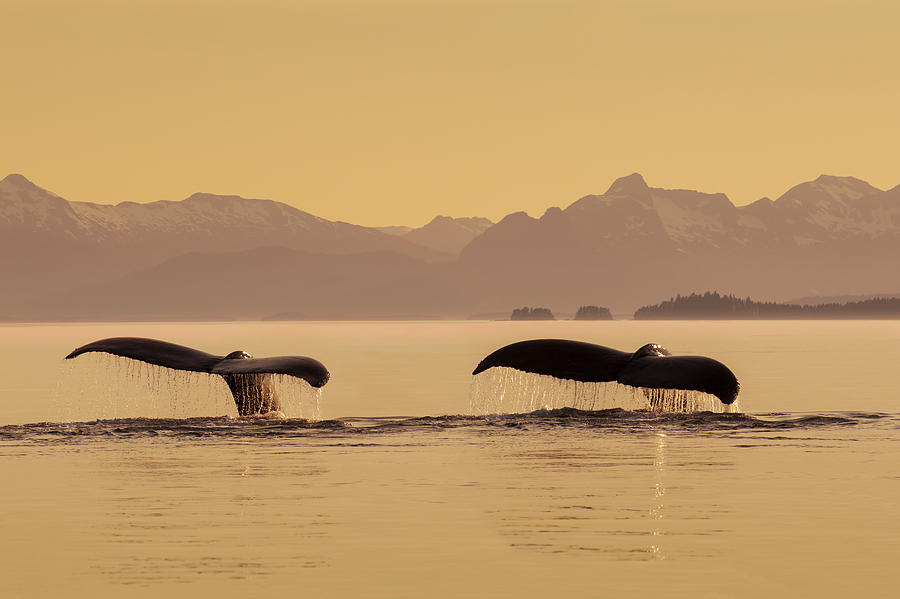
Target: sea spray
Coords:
[[502, 390]]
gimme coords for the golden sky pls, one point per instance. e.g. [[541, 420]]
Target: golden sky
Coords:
[[392, 111]]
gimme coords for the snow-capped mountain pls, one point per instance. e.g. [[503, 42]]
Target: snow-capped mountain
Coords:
[[48, 243], [202, 221], [26, 208], [631, 213], [828, 209]]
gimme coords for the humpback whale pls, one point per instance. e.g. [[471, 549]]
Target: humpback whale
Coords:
[[249, 379], [650, 367]]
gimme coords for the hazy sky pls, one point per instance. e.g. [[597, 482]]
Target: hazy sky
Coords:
[[390, 111]]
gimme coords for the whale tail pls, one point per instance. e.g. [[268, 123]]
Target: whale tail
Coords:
[[249, 379], [650, 367]]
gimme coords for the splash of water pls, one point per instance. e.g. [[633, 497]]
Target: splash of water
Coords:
[[103, 386], [502, 390]]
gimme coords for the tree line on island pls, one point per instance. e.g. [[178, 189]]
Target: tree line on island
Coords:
[[715, 306], [712, 305], [583, 313]]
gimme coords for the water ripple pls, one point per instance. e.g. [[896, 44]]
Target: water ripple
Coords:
[[614, 420]]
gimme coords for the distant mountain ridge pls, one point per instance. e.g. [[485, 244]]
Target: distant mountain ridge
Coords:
[[444, 233], [823, 210], [201, 219], [632, 245]]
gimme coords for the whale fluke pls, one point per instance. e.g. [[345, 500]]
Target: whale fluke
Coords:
[[248, 378], [650, 367]]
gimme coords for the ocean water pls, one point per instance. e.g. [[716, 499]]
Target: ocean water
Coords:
[[399, 481]]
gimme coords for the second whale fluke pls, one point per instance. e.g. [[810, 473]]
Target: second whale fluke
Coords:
[[651, 368]]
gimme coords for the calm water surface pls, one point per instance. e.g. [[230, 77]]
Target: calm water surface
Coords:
[[396, 492]]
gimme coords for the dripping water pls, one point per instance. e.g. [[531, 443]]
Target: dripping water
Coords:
[[502, 390], [298, 398], [103, 386]]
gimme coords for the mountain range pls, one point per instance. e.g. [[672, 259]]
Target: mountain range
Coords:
[[221, 257], [636, 244]]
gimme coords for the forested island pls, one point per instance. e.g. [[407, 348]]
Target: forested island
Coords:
[[593, 313], [583, 313], [712, 305], [527, 313]]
